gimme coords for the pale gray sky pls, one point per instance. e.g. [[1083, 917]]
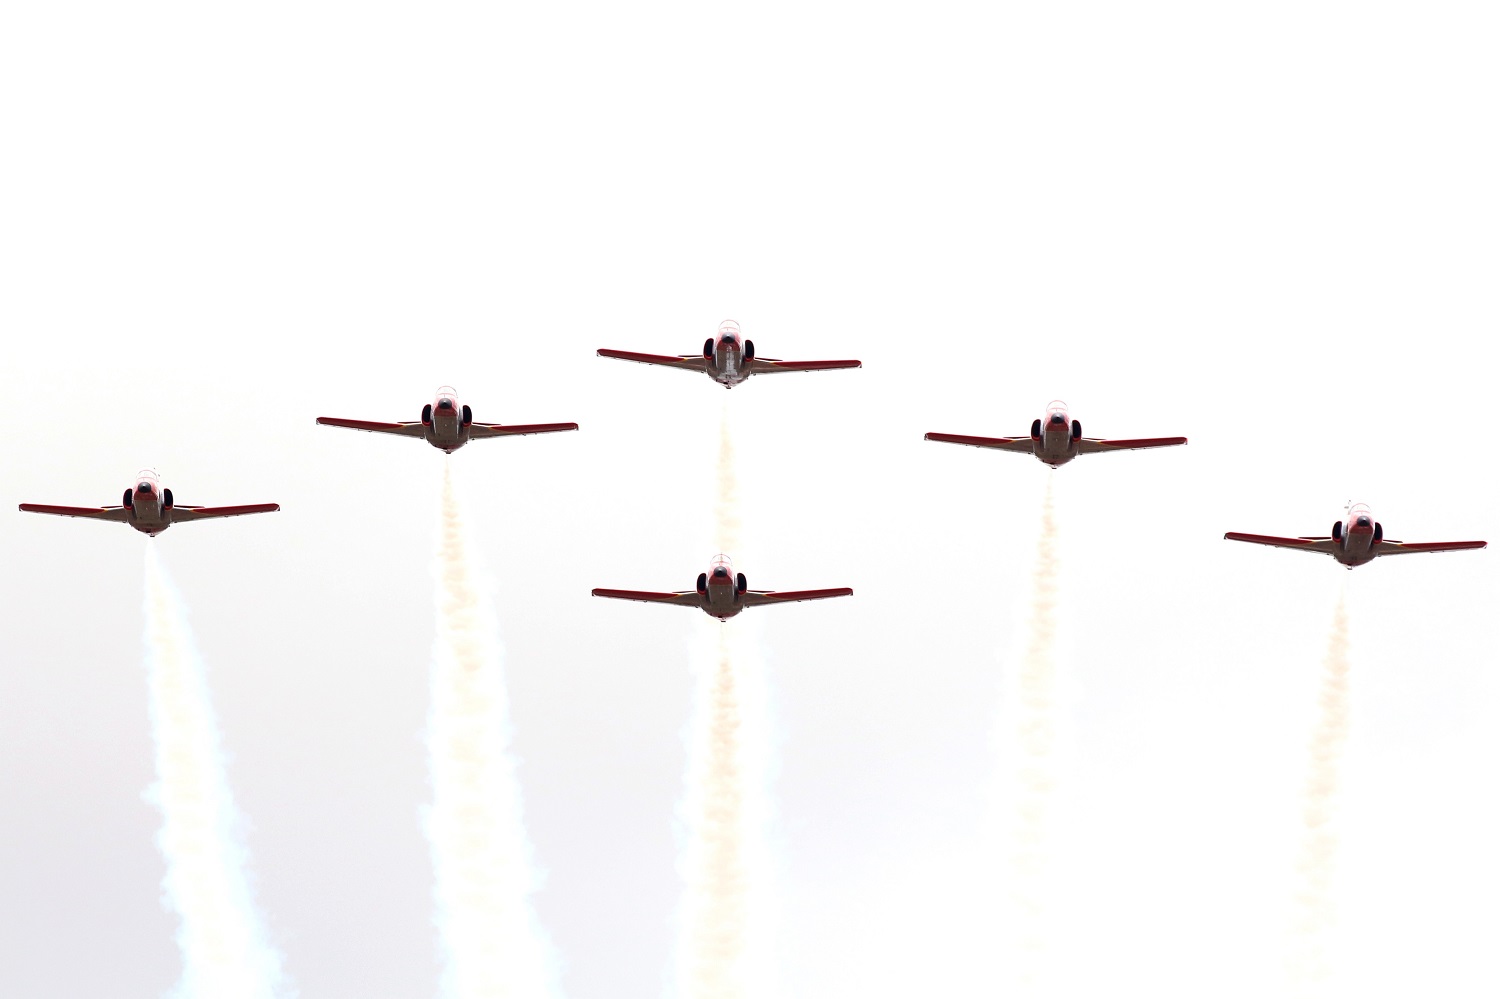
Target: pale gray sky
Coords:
[[1268, 227]]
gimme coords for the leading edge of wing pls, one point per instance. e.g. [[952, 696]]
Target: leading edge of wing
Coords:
[[400, 429], [1324, 545], [91, 512], [690, 598], [1092, 445], [756, 598], [1018, 444], [184, 514], [1415, 547], [480, 431], [687, 362], [766, 366]]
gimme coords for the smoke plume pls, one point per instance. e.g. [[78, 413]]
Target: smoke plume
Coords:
[[1035, 736], [491, 942], [724, 863], [1315, 867], [225, 952]]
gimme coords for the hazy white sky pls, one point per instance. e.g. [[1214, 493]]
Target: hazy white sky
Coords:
[[1268, 227]]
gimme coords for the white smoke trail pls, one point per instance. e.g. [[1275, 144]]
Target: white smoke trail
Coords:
[[225, 952], [725, 863], [1315, 910], [492, 943], [1029, 734]]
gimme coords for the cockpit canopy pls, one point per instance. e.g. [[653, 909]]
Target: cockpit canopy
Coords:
[[447, 392], [1360, 510], [729, 329], [720, 565], [146, 475]]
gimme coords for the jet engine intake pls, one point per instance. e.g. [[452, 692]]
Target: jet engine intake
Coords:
[[749, 350], [703, 584], [166, 499], [708, 348], [1077, 431], [129, 500], [1338, 530], [1036, 430], [740, 583], [468, 415], [1379, 532], [427, 415]]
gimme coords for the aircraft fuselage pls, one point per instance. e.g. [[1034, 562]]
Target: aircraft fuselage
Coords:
[[443, 423], [1053, 439]]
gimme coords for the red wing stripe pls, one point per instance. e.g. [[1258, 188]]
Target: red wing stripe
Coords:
[[1267, 539], [201, 512], [810, 365], [69, 511], [1145, 442], [333, 421], [630, 355], [780, 596], [1439, 546], [501, 429], [974, 441], [636, 595]]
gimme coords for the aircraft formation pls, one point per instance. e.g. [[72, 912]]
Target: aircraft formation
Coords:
[[730, 359]]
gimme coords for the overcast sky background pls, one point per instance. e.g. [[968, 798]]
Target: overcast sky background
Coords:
[[1269, 227]]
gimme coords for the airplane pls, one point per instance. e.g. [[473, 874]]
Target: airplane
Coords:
[[1054, 441], [149, 508], [1357, 539], [723, 593], [446, 425], [727, 358]]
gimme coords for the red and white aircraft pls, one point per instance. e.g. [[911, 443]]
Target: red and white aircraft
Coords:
[[727, 358], [723, 593], [1056, 441], [1357, 539], [149, 508], [447, 425]]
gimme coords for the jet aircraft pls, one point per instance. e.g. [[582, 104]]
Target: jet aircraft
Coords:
[[723, 593], [447, 425], [149, 508], [727, 358], [1055, 441], [1357, 539]]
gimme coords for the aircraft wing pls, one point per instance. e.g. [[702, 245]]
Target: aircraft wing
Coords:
[[1019, 444], [118, 513], [479, 431], [688, 598], [183, 514], [399, 429], [754, 598], [1327, 546], [1399, 548], [1093, 445], [769, 366], [687, 362]]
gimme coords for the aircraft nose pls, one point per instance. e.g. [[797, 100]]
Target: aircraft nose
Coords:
[[144, 487], [721, 572], [1058, 418], [1363, 521], [445, 404]]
